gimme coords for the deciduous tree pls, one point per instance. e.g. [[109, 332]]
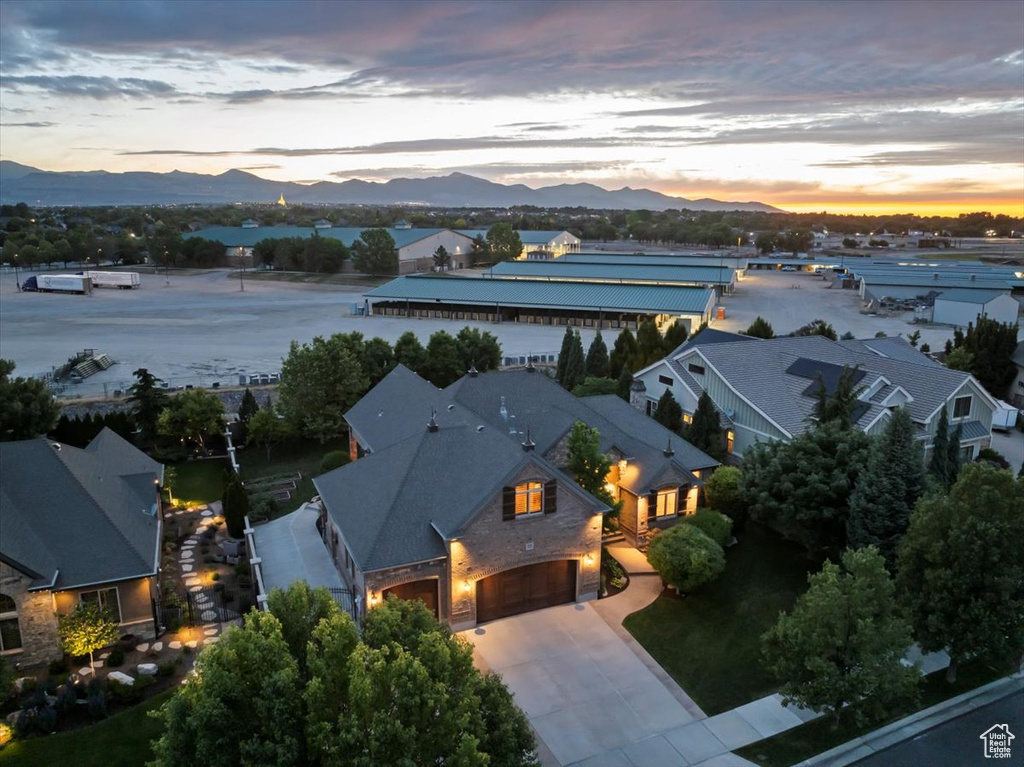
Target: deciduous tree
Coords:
[[444, 360], [961, 570], [410, 352], [685, 557], [723, 492], [503, 243], [596, 386], [844, 641], [817, 328], [589, 466], [375, 253], [479, 349], [192, 416], [86, 629], [267, 428], [300, 609], [27, 408]]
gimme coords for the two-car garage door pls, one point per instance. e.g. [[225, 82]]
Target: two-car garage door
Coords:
[[525, 588]]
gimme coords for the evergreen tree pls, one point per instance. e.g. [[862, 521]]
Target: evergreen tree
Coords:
[[760, 328], [990, 345], [623, 353], [938, 464], [675, 337], [248, 407], [885, 494], [669, 413], [626, 380], [235, 503], [148, 401], [705, 431], [597, 358], [563, 355], [839, 405], [953, 461], [576, 366], [649, 344]]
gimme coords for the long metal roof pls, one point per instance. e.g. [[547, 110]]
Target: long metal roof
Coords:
[[239, 237], [661, 274], [526, 236], [651, 299], [929, 281], [655, 259]]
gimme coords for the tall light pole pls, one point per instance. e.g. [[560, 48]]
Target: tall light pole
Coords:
[[167, 270], [17, 282], [241, 273]]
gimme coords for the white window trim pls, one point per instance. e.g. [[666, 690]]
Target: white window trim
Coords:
[[970, 406]]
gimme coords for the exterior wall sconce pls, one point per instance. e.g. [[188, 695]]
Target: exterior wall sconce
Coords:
[[588, 559], [623, 464], [466, 586]]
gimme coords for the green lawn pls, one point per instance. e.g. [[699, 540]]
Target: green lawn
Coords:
[[818, 736], [199, 481], [710, 641], [296, 455], [121, 741]]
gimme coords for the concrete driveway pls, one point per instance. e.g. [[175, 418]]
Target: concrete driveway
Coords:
[[585, 692]]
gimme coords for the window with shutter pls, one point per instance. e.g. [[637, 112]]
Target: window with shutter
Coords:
[[652, 505], [508, 503], [550, 497]]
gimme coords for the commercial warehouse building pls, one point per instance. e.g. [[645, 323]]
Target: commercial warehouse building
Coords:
[[539, 244], [542, 302], [415, 246], [730, 260], [721, 278], [963, 307]]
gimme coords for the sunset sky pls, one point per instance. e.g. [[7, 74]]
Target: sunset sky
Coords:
[[857, 107]]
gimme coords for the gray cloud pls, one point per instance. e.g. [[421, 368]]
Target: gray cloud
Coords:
[[29, 125], [90, 87]]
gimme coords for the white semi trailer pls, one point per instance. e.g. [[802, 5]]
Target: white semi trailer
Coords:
[[122, 280]]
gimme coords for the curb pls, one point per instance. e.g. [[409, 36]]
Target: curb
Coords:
[[915, 724]]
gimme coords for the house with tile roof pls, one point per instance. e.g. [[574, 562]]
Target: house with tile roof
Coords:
[[460, 497], [767, 389], [76, 525]]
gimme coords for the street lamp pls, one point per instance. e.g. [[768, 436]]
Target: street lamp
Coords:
[[17, 282], [167, 270], [241, 273]]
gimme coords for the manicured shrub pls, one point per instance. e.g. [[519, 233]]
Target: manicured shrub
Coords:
[[333, 460], [66, 698], [59, 666], [116, 657], [685, 557], [97, 705], [713, 524], [722, 491]]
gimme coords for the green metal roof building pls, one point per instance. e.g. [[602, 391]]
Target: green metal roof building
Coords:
[[542, 302], [709, 275]]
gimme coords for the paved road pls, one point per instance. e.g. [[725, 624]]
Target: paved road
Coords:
[[958, 743]]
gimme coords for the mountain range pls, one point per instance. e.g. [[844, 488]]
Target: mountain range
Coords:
[[22, 183]]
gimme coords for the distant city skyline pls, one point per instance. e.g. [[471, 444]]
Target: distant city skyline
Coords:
[[850, 107]]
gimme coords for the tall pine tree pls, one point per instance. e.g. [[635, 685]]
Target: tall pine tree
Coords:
[[885, 494], [563, 355], [669, 413], [597, 358], [938, 463], [675, 336], [623, 353], [649, 344], [953, 459], [576, 364], [705, 431]]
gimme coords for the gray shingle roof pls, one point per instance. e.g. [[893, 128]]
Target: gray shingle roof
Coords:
[[590, 296], [82, 516], [893, 347], [757, 371], [388, 504]]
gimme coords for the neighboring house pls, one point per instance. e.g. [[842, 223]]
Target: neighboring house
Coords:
[[461, 497], [1016, 393], [542, 244], [75, 526], [963, 307], [767, 389]]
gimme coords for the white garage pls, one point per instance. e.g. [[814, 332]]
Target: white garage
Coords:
[[963, 307]]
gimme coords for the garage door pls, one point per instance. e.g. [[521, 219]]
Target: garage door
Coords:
[[425, 591], [524, 589]]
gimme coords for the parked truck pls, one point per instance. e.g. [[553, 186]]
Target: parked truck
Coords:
[[122, 280], [58, 283]]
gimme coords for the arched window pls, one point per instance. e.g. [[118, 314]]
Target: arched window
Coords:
[[10, 633]]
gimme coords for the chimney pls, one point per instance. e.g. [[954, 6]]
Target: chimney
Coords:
[[668, 451], [473, 373], [529, 363], [432, 426], [973, 277], [529, 445]]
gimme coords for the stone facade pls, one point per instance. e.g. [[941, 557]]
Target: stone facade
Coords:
[[37, 621], [491, 544]]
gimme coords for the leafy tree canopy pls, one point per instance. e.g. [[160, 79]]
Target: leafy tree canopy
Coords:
[[86, 629], [685, 557], [375, 252], [27, 408], [192, 416], [503, 243]]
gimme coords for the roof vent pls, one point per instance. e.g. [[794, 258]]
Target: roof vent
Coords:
[[480, 427], [529, 444], [935, 275], [55, 446], [380, 412], [473, 372], [451, 407], [669, 452], [432, 426], [973, 277], [529, 363]]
